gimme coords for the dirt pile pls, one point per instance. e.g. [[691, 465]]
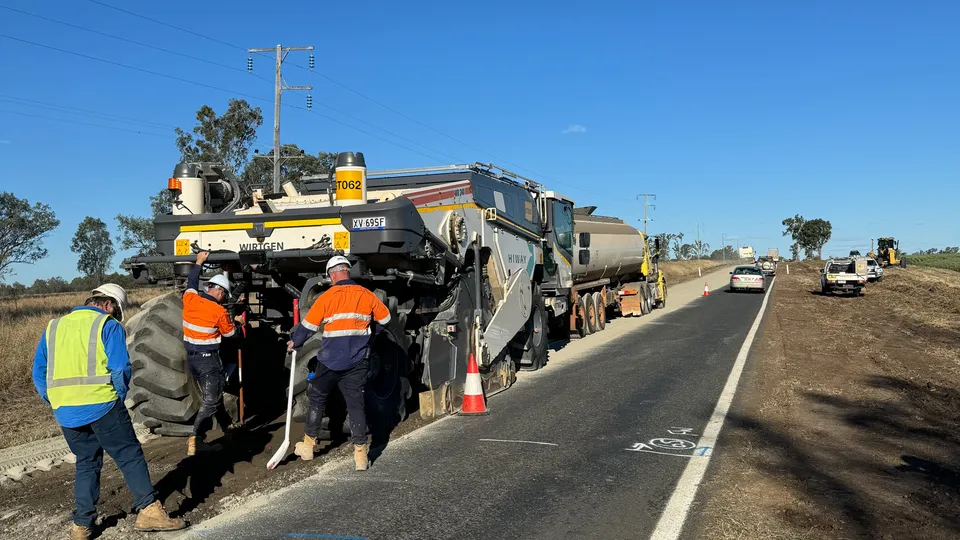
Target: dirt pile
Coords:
[[846, 425]]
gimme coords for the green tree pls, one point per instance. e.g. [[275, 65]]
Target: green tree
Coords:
[[22, 230], [665, 241], [949, 250], [793, 227], [224, 139], [678, 247], [727, 253], [294, 165], [92, 242], [815, 234]]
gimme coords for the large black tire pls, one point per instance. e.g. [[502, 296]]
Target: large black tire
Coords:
[[583, 329], [591, 313], [644, 300], [163, 395], [533, 351], [600, 305]]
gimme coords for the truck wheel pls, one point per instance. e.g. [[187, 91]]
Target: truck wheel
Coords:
[[582, 329], [601, 309], [591, 313], [644, 300], [533, 354], [163, 395]]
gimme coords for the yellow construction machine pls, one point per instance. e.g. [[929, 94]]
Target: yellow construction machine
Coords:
[[888, 252]]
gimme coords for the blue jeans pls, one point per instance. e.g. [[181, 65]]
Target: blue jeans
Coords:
[[113, 433]]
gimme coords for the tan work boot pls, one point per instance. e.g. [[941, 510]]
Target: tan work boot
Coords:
[[194, 446], [155, 518], [305, 448], [79, 532], [360, 457]]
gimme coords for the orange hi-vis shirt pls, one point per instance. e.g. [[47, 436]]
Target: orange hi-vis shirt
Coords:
[[204, 320], [346, 312]]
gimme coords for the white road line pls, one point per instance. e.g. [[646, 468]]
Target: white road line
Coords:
[[525, 442], [674, 515], [688, 456]]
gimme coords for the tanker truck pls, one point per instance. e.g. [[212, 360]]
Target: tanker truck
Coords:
[[466, 257]]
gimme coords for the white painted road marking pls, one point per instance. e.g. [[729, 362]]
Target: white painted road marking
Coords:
[[674, 515], [524, 442]]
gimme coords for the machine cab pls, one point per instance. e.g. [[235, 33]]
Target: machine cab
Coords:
[[559, 248]]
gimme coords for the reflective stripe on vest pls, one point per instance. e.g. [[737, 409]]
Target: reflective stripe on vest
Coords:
[[75, 355]]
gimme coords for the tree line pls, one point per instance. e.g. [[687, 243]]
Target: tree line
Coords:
[[226, 139], [949, 250]]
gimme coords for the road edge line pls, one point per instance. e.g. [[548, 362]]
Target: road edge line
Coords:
[[674, 515]]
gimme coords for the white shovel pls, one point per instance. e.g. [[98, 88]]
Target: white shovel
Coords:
[[282, 451]]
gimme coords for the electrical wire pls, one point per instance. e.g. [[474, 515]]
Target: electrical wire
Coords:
[[82, 112], [218, 88], [84, 123], [168, 25]]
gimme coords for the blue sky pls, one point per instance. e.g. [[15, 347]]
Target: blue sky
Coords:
[[736, 114]]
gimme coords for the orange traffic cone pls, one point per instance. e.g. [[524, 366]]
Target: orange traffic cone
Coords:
[[473, 402], [706, 290]]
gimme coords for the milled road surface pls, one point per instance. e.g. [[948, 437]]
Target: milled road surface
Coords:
[[567, 470]]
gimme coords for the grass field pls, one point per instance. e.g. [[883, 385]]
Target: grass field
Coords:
[[24, 417], [677, 271], [945, 261]]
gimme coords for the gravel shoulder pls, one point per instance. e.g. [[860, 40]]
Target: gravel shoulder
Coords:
[[846, 424]]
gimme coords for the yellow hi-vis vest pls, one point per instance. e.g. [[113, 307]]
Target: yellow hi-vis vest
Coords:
[[77, 360]]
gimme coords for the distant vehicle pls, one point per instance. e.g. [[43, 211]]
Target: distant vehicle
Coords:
[[768, 265], [874, 271], [773, 254], [888, 252], [746, 252], [855, 253], [846, 276], [747, 278]]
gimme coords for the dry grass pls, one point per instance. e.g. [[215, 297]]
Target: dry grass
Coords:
[[845, 424], [24, 417], [679, 271]]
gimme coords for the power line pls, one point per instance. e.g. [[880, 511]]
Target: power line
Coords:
[[82, 112], [127, 40], [213, 87], [168, 25], [83, 123]]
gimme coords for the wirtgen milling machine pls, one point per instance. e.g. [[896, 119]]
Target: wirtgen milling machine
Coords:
[[456, 253]]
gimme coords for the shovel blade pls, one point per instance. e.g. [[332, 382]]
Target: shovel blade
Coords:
[[278, 456]]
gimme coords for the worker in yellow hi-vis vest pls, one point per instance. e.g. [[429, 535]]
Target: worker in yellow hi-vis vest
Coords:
[[81, 368]]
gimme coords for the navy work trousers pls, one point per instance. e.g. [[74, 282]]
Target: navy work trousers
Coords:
[[114, 433], [352, 383], [207, 370]]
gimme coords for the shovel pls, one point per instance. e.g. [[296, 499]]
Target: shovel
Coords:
[[282, 451]]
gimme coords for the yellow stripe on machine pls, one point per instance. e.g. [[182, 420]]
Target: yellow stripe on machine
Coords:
[[268, 224]]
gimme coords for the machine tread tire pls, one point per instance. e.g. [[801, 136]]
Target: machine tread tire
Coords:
[[533, 356], [163, 395]]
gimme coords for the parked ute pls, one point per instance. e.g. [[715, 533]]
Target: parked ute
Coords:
[[845, 276], [874, 271], [747, 278]]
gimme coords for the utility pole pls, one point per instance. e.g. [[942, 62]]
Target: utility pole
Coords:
[[279, 87], [646, 200]]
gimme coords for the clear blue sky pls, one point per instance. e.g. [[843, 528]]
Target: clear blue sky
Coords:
[[736, 114]]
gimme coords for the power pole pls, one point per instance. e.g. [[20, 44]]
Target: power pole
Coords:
[[646, 201], [279, 87]]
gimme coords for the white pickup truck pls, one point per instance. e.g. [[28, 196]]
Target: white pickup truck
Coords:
[[847, 276]]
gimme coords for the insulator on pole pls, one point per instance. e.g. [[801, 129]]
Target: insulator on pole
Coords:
[[311, 61], [249, 64], [309, 102]]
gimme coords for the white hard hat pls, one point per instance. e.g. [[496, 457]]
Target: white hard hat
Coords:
[[115, 292], [337, 260], [220, 280]]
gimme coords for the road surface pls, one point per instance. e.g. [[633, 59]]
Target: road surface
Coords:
[[592, 446]]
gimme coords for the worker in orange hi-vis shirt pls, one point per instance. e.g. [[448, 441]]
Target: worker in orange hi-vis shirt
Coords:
[[351, 316], [205, 321]]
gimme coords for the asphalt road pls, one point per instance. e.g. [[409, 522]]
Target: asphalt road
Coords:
[[651, 390]]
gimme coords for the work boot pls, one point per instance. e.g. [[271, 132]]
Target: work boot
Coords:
[[155, 518], [360, 457], [194, 446], [79, 532], [305, 448]]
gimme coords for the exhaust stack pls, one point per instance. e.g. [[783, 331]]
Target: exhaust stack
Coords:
[[351, 179]]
